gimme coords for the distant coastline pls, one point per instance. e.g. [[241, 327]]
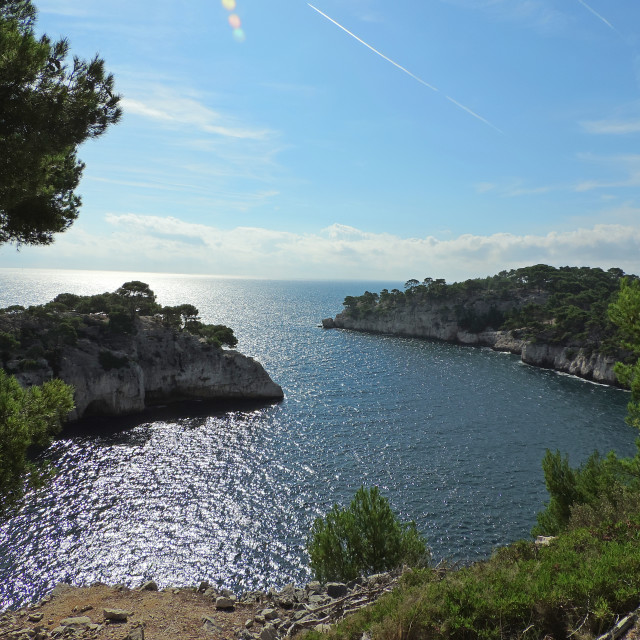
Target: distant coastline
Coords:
[[552, 318]]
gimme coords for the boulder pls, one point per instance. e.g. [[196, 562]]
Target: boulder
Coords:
[[79, 622], [116, 615], [269, 632], [337, 589], [224, 602], [150, 585]]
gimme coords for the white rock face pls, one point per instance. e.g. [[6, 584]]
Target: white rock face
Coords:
[[161, 366], [439, 323]]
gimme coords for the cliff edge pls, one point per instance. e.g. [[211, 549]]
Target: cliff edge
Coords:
[[577, 361], [116, 373]]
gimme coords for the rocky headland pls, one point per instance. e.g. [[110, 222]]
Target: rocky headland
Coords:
[[577, 361], [117, 373], [551, 318]]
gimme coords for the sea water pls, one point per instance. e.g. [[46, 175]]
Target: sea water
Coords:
[[452, 435]]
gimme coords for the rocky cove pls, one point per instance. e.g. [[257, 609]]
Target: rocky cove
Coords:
[[436, 322], [116, 374]]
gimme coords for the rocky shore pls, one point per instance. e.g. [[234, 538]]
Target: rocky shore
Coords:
[[104, 612], [436, 324], [122, 373]]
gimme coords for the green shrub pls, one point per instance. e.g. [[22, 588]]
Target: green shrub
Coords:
[[215, 334], [596, 479], [28, 364], [8, 342], [362, 539], [68, 300], [35, 351], [577, 587], [28, 418]]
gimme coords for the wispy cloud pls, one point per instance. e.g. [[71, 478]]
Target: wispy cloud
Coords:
[[513, 188], [168, 107], [613, 172], [403, 69], [626, 166], [615, 127]]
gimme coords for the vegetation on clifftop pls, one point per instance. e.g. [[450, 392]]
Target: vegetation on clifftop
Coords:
[[566, 305], [41, 331]]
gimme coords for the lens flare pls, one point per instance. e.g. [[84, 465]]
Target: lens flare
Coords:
[[234, 21], [229, 5], [238, 34]]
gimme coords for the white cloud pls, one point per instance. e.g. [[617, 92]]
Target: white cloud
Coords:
[[513, 188], [616, 127], [173, 108], [169, 244]]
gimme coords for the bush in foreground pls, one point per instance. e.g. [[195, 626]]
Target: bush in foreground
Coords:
[[362, 539], [577, 587]]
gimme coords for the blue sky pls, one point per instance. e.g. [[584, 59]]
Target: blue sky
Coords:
[[493, 134]]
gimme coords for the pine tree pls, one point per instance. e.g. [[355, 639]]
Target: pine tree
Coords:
[[49, 105]]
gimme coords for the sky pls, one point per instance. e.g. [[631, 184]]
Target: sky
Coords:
[[356, 139]]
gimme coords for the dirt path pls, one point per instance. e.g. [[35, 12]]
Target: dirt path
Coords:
[[173, 614]]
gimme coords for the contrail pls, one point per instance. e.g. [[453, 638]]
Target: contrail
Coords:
[[399, 66], [595, 13]]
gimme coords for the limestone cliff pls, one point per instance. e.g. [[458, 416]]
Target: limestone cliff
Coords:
[[117, 374], [438, 322]]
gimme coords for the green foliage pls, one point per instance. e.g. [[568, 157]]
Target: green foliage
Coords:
[[362, 539], [138, 298], [180, 316], [576, 587], [49, 106], [624, 311], [598, 478], [566, 305], [8, 343], [68, 300], [49, 327], [214, 334], [28, 418]]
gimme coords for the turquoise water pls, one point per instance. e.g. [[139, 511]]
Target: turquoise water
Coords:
[[452, 435]]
